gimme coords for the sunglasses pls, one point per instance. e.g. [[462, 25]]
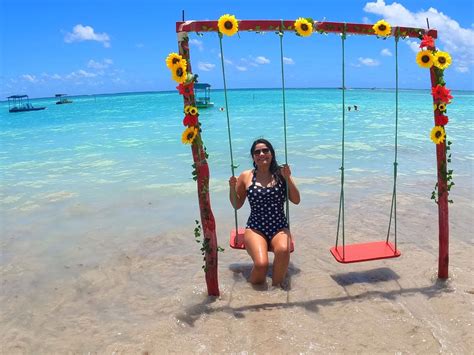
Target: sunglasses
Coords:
[[259, 151]]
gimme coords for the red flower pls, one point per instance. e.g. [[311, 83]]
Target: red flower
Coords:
[[427, 41], [440, 93], [190, 120], [187, 89], [441, 120]]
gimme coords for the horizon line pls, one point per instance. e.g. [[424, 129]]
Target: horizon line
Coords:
[[237, 89]]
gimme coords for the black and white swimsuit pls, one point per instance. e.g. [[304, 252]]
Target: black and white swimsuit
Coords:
[[267, 213]]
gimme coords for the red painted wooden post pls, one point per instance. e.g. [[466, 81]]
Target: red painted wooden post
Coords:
[[443, 215], [202, 172]]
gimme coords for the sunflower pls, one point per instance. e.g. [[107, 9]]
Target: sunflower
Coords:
[[438, 134], [435, 106], [303, 27], [189, 135], [442, 107], [190, 110], [228, 25], [424, 59], [173, 59], [382, 28], [442, 60], [179, 73]]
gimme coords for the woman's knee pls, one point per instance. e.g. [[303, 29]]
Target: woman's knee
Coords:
[[281, 249], [261, 264]]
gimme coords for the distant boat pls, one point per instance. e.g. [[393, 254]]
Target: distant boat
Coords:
[[62, 99], [202, 94], [21, 103]]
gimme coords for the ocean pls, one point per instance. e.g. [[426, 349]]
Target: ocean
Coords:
[[98, 196]]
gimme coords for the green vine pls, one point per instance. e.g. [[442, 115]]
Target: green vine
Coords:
[[205, 247], [446, 175]]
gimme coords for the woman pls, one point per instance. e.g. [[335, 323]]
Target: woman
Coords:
[[267, 227]]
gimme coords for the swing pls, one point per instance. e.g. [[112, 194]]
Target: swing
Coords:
[[379, 249], [237, 235]]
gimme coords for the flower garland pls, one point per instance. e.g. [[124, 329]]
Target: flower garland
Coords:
[[431, 58], [178, 66]]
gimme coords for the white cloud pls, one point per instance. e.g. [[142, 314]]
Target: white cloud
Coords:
[[369, 62], [386, 52], [99, 65], [86, 33], [227, 61], [453, 38], [205, 66], [30, 78], [241, 68], [262, 60], [288, 60], [197, 43], [80, 74]]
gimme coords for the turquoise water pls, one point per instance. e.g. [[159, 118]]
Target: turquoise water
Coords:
[[125, 141], [116, 163]]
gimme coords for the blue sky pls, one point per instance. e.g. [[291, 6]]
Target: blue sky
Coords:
[[106, 46]]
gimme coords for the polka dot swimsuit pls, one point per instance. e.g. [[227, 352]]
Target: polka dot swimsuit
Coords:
[[267, 214]]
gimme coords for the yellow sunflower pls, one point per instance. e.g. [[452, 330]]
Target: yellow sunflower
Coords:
[[382, 28], [190, 110], [424, 59], [174, 59], [438, 134], [179, 73], [442, 60], [442, 107], [435, 107], [303, 27], [189, 135], [228, 25]]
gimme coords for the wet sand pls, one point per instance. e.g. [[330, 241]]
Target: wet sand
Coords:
[[144, 292]]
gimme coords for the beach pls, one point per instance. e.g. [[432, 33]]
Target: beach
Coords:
[[99, 207]]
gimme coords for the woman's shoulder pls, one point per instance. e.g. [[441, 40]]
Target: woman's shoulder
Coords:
[[246, 173]]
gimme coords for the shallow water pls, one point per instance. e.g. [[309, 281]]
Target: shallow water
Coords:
[[98, 210]]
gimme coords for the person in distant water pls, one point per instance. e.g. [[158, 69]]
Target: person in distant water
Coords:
[[267, 227], [221, 109], [355, 107], [348, 108]]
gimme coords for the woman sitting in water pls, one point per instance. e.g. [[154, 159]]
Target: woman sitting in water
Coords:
[[267, 227]]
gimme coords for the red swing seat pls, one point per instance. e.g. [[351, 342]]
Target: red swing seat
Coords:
[[237, 242], [355, 253]]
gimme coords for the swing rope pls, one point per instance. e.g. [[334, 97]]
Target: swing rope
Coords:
[[340, 217], [393, 208], [232, 166], [280, 34]]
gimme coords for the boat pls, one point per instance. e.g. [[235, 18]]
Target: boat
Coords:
[[21, 103], [202, 95], [62, 99]]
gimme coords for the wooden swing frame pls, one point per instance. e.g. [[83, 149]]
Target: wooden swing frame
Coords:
[[183, 28]]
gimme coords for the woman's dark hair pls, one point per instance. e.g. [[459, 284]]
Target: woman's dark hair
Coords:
[[274, 167]]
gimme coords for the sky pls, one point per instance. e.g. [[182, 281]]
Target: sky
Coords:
[[83, 47]]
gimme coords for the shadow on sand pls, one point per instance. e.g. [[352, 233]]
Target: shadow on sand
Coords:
[[192, 313]]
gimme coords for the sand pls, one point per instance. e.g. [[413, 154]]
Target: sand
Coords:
[[136, 291]]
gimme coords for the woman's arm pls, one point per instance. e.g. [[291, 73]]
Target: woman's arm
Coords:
[[293, 193], [238, 190]]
